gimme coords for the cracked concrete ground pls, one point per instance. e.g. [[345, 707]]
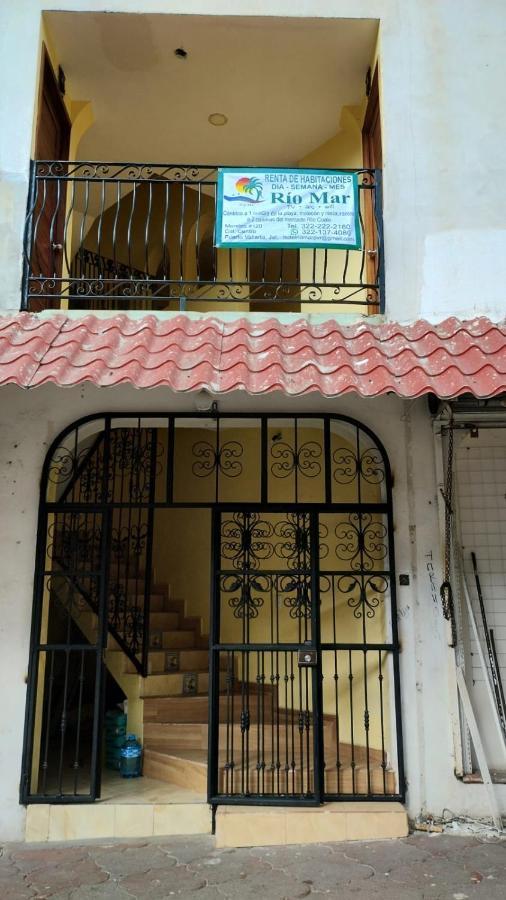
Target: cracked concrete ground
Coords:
[[420, 867]]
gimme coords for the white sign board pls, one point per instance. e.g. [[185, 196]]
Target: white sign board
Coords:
[[287, 208]]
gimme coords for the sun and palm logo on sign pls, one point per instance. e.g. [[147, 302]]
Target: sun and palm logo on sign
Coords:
[[249, 190]]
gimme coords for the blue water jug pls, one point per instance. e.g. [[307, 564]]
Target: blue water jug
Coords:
[[131, 758]]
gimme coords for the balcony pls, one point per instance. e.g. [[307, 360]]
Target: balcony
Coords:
[[132, 236]]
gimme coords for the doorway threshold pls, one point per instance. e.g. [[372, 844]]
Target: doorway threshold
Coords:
[[128, 808], [260, 826]]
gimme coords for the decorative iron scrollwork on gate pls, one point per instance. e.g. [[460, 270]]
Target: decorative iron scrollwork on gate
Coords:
[[246, 540], [288, 459], [298, 589], [362, 541], [247, 589], [225, 458], [367, 465], [368, 593]]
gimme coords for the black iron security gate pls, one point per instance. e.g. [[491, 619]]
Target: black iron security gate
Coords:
[[303, 715], [304, 680], [264, 740]]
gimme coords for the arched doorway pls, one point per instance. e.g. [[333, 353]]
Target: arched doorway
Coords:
[[280, 527]]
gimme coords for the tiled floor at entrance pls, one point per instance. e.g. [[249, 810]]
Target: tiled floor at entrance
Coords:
[[145, 790], [144, 807]]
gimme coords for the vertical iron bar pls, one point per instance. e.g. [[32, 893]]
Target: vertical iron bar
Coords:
[[165, 255], [129, 226], [115, 229], [52, 242], [149, 552], [170, 460], [197, 231], [378, 215], [28, 236], [382, 723], [76, 765], [146, 232], [99, 699], [45, 762], [214, 660], [317, 671], [99, 231], [352, 729], [263, 459], [66, 225], [63, 722]]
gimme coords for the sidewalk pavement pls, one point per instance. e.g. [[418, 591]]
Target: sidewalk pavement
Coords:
[[419, 867]]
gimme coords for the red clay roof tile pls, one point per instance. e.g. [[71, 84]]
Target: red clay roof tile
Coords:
[[186, 354]]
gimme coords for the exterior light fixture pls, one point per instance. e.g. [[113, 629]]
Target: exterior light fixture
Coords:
[[181, 53], [217, 119]]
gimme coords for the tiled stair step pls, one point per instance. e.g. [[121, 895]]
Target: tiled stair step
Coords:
[[158, 602], [164, 621], [176, 770], [136, 585], [183, 661], [185, 636], [168, 737], [189, 767], [188, 709], [271, 780], [171, 640], [175, 736], [176, 683], [178, 640], [341, 781], [351, 781]]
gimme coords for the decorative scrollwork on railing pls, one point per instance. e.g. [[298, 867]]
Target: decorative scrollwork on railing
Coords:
[[131, 463], [224, 458], [367, 593], [89, 485], [128, 544], [74, 540], [65, 463], [80, 286], [74, 599], [362, 541], [369, 466], [298, 588], [246, 602], [304, 459], [246, 540], [125, 618]]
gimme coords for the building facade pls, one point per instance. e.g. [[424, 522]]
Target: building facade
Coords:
[[242, 486]]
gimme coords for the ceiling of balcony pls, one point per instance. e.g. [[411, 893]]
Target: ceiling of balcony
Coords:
[[282, 83]]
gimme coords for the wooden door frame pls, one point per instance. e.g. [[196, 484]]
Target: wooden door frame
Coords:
[[371, 120], [47, 77]]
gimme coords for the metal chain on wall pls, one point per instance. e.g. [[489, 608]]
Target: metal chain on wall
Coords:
[[446, 591]]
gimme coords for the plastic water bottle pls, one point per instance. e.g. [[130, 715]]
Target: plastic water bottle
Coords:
[[131, 758]]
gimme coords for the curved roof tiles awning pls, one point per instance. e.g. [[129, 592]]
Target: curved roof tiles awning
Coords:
[[187, 354]]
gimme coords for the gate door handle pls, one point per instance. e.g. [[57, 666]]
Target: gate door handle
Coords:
[[306, 657]]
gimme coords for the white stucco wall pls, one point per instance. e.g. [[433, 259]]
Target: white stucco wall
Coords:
[[28, 423], [443, 70]]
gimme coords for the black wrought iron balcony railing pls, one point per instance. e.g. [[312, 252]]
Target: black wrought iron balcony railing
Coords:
[[135, 236]]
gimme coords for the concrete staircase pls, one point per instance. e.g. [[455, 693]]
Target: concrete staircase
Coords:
[[168, 709], [175, 725]]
